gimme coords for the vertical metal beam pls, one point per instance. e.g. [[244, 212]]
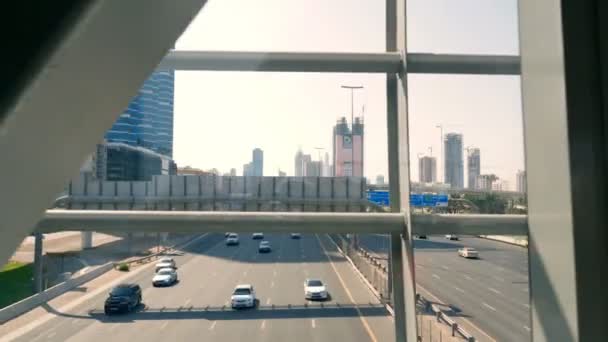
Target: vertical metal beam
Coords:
[[400, 256], [397, 88], [38, 237], [566, 182]]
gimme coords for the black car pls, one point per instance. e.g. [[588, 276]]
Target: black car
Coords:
[[123, 298]]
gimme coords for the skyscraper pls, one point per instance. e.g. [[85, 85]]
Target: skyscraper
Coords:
[[148, 120], [326, 168], [348, 148], [522, 185], [473, 166], [247, 170], [299, 168], [257, 162], [427, 169], [454, 173]]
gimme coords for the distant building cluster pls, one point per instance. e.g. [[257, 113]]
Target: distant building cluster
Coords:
[[256, 166]]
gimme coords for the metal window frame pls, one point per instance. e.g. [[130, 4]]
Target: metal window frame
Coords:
[[396, 63]]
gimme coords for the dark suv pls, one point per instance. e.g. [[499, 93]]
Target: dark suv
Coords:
[[123, 298]]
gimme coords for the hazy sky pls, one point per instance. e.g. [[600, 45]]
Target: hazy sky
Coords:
[[221, 116]]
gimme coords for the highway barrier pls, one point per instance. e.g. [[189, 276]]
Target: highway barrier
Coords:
[[31, 302], [510, 239], [442, 317]]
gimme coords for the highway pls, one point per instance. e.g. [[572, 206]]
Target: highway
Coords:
[[197, 308], [491, 292]]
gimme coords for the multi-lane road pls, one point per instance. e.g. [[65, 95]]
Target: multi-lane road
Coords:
[[197, 308], [490, 292]]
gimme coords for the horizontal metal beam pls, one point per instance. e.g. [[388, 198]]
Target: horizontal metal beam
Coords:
[[383, 62], [282, 61], [470, 224], [218, 221], [428, 63]]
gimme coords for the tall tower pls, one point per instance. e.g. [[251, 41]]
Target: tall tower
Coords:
[[148, 120], [257, 162], [427, 169], [348, 148], [473, 166], [454, 167]]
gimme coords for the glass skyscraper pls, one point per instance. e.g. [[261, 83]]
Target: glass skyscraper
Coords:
[[148, 120]]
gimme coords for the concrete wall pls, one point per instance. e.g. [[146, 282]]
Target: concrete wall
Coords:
[[209, 192]]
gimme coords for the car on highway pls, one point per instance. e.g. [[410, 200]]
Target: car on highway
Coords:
[[452, 237], [264, 247], [123, 298], [257, 236], [243, 296], [232, 240], [315, 289], [162, 264], [296, 235], [167, 260], [424, 237], [164, 277], [468, 252]]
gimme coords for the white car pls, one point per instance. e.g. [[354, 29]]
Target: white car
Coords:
[[257, 236], [451, 237], [468, 252], [167, 260], [315, 289], [232, 240], [159, 266], [264, 247], [296, 235], [164, 277], [243, 297]]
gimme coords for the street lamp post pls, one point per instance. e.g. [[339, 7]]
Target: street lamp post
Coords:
[[352, 125]]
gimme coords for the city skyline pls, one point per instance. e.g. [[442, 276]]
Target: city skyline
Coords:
[[280, 111]]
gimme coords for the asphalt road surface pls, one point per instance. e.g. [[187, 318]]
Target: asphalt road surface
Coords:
[[491, 292], [197, 308]]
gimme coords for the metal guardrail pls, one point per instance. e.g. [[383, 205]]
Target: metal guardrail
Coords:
[[443, 317]]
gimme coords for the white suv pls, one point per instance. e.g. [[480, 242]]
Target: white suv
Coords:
[[232, 240], [243, 297]]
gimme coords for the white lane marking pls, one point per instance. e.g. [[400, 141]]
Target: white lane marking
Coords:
[[271, 284], [213, 325], [436, 276], [469, 278], [188, 301], [267, 301], [526, 327], [164, 325], [458, 289], [494, 290], [488, 306], [312, 322], [274, 273], [263, 325], [526, 305], [245, 273], [445, 267], [499, 279], [364, 322]]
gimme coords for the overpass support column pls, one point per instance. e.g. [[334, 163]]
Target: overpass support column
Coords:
[[38, 237], [86, 240]]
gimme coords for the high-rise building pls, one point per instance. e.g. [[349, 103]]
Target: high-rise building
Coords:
[[148, 120], [521, 182], [300, 166], [348, 148], [123, 162], [313, 168], [379, 180], [485, 182], [233, 172], [453, 163], [501, 185], [247, 170], [257, 162], [326, 168], [473, 166], [282, 174], [427, 169]]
